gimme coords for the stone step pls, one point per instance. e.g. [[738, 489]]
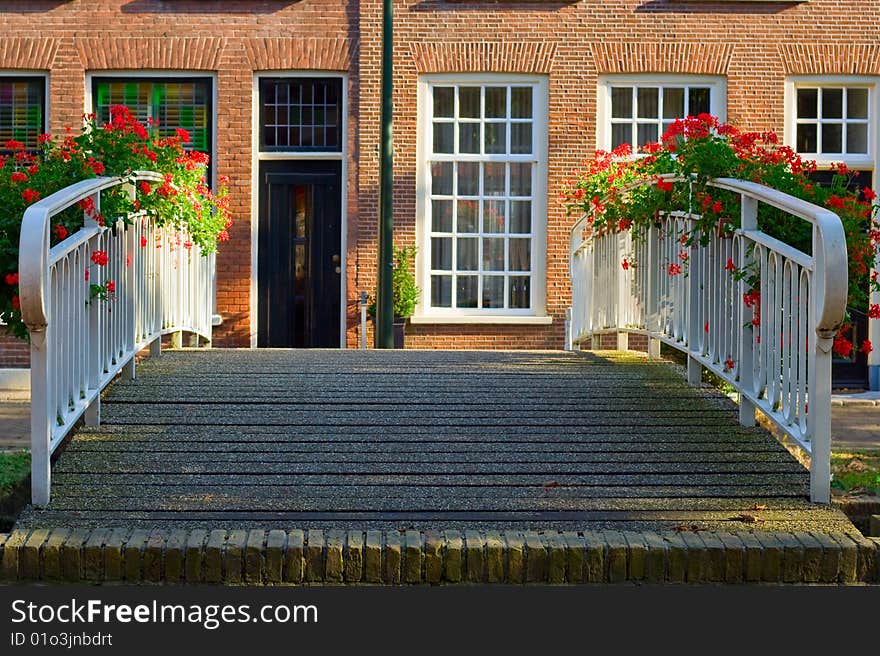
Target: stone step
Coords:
[[258, 556]]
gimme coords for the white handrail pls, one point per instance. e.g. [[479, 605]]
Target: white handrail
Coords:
[[162, 284], [778, 358]]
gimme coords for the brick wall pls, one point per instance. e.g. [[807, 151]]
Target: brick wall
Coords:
[[755, 45]]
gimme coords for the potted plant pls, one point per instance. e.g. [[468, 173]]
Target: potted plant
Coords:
[[405, 292]]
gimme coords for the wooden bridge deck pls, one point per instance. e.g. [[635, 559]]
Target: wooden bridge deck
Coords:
[[424, 440]]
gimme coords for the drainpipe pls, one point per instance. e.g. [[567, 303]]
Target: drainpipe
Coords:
[[384, 300]]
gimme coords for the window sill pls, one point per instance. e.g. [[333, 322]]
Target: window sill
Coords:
[[477, 319]]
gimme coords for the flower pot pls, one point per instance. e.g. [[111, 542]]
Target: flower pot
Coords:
[[399, 324]]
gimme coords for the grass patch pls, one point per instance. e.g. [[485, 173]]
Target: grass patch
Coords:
[[15, 470], [856, 472]]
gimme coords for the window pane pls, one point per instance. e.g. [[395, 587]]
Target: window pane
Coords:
[[832, 103], [493, 183], [520, 179], [444, 102], [621, 102], [521, 216], [468, 216], [469, 137], [857, 138], [520, 255], [806, 138], [857, 103], [493, 216], [496, 138], [807, 104], [699, 101], [649, 99], [444, 137], [673, 103], [493, 254], [521, 102], [832, 138], [621, 133], [441, 291], [521, 138], [468, 179], [469, 102], [441, 253], [441, 215], [466, 257], [496, 102], [493, 291], [648, 133], [466, 288], [441, 178], [520, 292]]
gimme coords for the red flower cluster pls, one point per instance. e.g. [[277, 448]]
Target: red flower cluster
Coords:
[[12, 279], [100, 258]]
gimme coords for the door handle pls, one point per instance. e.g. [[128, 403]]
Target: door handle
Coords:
[[336, 261]]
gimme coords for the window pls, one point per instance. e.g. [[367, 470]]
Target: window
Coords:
[[638, 110], [484, 206], [172, 103], [300, 114], [22, 109], [834, 120]]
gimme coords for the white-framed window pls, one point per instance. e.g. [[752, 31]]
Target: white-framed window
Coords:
[[638, 109], [23, 108], [834, 119], [481, 206]]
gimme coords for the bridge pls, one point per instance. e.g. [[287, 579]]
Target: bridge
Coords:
[[204, 464]]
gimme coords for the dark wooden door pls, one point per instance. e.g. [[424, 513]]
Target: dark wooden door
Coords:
[[299, 266]]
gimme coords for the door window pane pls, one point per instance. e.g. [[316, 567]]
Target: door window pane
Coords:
[[467, 258], [493, 216], [496, 138], [297, 113], [441, 253], [521, 102], [468, 216], [469, 102], [441, 291], [468, 179], [493, 254], [444, 137], [496, 102], [521, 138]]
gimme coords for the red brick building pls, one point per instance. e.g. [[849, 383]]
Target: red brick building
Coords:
[[496, 103]]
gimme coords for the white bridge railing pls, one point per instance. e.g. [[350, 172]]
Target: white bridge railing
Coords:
[[775, 350], [78, 343]]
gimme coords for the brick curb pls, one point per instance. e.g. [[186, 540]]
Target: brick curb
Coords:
[[274, 557]]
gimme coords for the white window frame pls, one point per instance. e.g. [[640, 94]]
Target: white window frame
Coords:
[[717, 96], [536, 313], [871, 160]]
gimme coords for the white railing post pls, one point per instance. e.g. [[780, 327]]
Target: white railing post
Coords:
[[128, 287], [568, 340], [623, 295], [746, 368], [96, 329], [692, 319], [42, 419]]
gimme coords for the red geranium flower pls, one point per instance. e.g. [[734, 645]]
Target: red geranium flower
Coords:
[[18, 176], [100, 258], [110, 286], [16, 302], [60, 232], [30, 195], [730, 266], [866, 347], [12, 279]]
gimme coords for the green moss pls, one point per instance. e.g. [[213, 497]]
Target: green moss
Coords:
[[856, 471], [14, 468]]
